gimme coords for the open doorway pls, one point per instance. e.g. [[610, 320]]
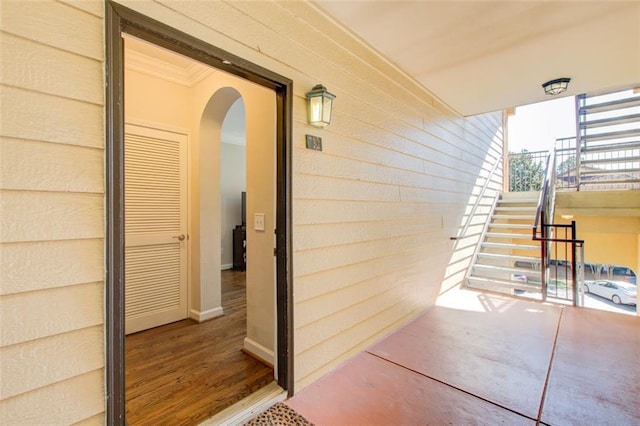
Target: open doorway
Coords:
[[198, 340], [268, 313]]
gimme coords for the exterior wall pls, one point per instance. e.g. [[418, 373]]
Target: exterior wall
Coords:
[[373, 212], [609, 239], [52, 212]]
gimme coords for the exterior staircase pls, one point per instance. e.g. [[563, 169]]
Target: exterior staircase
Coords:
[[507, 259]]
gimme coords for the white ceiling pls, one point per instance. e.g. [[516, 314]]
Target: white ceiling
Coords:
[[481, 56]]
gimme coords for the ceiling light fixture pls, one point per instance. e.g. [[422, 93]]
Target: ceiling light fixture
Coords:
[[557, 86]]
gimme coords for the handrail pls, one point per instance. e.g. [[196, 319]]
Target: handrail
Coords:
[[544, 216], [576, 262], [547, 193], [479, 197]]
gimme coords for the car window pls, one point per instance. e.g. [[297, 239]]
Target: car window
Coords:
[[621, 271]]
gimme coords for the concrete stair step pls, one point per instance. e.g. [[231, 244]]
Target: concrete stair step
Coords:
[[507, 246], [505, 269], [531, 210], [511, 226], [518, 201], [510, 257], [529, 218], [516, 285], [524, 195], [513, 235]]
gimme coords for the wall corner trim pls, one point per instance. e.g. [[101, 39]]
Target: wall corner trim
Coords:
[[259, 351], [206, 315]]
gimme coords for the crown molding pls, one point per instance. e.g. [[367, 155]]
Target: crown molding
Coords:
[[189, 76]]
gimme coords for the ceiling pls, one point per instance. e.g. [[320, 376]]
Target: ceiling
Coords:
[[481, 56]]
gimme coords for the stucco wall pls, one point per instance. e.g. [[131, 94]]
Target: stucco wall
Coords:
[[373, 212], [610, 240]]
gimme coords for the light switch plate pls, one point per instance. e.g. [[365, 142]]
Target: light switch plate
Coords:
[[258, 221]]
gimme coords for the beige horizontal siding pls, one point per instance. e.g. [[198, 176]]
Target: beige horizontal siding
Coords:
[[374, 211], [43, 166], [52, 212], [52, 23], [26, 367], [45, 216], [95, 7], [32, 266], [62, 403], [43, 117], [46, 69], [50, 312], [97, 420]]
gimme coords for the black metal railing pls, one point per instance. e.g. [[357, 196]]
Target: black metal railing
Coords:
[[526, 170], [562, 262], [561, 253]]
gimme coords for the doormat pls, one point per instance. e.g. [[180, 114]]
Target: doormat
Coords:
[[279, 415]]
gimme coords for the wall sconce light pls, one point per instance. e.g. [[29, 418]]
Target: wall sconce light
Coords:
[[557, 86], [319, 104]]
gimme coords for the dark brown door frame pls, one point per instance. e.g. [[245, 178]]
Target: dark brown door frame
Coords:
[[119, 20]]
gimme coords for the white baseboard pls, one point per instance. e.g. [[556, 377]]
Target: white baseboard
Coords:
[[226, 266], [259, 351], [206, 315]]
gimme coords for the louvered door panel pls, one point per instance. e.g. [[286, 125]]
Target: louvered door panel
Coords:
[[155, 220]]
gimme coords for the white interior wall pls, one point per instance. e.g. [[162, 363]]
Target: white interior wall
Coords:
[[233, 170], [220, 91]]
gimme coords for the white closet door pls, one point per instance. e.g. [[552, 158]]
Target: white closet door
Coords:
[[155, 227]]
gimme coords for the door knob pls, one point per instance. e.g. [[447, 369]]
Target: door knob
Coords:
[[179, 237]]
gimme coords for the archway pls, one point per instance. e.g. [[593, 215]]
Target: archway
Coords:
[[206, 301]]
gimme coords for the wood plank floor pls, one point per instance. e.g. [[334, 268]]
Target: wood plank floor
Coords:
[[183, 373]]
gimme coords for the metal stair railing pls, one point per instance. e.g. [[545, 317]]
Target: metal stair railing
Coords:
[[462, 234], [544, 215], [478, 247], [544, 230], [607, 147]]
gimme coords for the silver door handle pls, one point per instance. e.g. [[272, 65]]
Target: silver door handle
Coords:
[[179, 237]]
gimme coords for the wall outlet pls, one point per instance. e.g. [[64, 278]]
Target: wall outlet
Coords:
[[258, 221]]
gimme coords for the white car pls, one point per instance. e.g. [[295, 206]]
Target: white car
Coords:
[[616, 291]]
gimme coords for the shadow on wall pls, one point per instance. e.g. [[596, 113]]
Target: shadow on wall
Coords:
[[480, 187]]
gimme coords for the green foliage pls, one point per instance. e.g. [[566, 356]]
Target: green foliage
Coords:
[[525, 174], [567, 165]]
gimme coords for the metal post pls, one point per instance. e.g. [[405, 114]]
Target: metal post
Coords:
[[574, 266], [580, 283], [580, 102], [543, 257]]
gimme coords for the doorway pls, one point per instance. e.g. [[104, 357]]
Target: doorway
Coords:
[[121, 20]]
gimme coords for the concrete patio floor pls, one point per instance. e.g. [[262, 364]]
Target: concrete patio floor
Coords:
[[478, 358]]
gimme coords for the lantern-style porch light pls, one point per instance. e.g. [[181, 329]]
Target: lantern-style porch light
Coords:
[[319, 104]]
